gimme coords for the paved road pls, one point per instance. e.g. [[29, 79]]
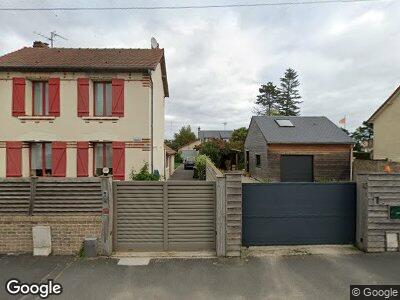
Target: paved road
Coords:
[[182, 174], [272, 277]]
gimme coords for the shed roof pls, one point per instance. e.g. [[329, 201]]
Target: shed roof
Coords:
[[306, 130]]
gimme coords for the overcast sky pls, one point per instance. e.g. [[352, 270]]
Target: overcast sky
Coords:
[[347, 55]]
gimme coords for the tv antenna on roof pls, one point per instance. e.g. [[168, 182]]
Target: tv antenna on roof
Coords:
[[52, 37]]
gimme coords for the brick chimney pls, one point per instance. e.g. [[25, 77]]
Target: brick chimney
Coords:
[[40, 44]]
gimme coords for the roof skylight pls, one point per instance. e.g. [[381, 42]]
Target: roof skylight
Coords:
[[284, 123]]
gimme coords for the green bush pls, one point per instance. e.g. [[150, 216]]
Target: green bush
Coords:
[[213, 150], [200, 166], [144, 174], [178, 158]]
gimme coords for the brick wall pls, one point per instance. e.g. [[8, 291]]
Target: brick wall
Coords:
[[67, 232]]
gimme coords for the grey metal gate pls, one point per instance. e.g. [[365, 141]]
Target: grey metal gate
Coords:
[[157, 216], [299, 213]]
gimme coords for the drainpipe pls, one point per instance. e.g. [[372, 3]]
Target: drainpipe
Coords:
[[151, 124]]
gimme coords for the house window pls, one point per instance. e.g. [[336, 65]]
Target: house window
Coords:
[[395, 212], [40, 98], [102, 158], [103, 99], [258, 160], [40, 159]]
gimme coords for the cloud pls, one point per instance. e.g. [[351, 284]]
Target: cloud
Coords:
[[346, 54]]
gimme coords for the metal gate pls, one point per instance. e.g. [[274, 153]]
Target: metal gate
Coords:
[[299, 213], [164, 216]]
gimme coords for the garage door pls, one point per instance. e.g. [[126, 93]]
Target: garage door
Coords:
[[297, 168], [164, 216], [299, 213]]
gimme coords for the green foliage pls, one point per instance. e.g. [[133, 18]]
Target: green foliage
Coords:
[[200, 166], [288, 98], [183, 137], [144, 174], [239, 135], [237, 143], [178, 158], [363, 133], [215, 149], [81, 252], [267, 100]]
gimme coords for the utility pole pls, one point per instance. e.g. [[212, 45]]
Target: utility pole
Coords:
[[52, 37]]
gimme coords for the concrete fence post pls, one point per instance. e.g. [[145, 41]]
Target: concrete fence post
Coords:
[[233, 187], [220, 216], [32, 196], [107, 214]]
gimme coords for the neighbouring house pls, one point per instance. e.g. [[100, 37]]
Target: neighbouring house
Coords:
[[70, 112], [297, 149], [189, 150], [385, 120], [169, 161], [205, 135]]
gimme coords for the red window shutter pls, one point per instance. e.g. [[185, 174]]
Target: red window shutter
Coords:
[[54, 97], [59, 159], [18, 97], [13, 159], [118, 97], [83, 97], [82, 159], [118, 160]]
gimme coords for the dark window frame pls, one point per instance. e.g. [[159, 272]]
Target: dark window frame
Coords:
[[43, 156], [258, 160], [104, 84]]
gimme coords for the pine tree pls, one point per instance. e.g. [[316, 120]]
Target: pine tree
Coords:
[[288, 98], [267, 100]]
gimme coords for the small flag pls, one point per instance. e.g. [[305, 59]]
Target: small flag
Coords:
[[342, 121]]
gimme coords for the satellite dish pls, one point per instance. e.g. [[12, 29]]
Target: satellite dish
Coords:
[[154, 44]]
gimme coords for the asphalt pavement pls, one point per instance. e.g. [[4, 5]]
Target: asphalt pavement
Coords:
[[271, 277], [182, 174]]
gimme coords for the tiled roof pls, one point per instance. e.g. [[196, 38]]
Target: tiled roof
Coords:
[[80, 58], [306, 130], [85, 60], [169, 150]]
